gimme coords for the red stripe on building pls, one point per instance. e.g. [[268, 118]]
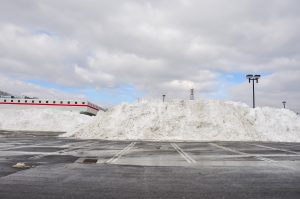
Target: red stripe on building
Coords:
[[43, 104]]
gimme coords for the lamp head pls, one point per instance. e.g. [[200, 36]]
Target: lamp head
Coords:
[[256, 76], [249, 76]]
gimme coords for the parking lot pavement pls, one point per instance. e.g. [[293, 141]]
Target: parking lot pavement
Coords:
[[70, 168]]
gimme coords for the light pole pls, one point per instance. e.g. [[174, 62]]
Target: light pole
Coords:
[[164, 96], [192, 94], [284, 102], [253, 78]]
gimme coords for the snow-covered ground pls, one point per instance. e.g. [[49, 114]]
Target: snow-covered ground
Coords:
[[42, 120], [194, 121]]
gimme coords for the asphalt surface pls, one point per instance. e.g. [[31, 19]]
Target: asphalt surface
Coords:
[[69, 168]]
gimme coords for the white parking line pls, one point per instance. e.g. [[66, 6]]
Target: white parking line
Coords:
[[121, 153], [227, 149], [242, 153], [31, 145], [79, 160], [183, 154], [277, 149], [73, 146]]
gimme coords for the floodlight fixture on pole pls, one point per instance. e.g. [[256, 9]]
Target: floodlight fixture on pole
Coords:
[[253, 78], [284, 103], [164, 96]]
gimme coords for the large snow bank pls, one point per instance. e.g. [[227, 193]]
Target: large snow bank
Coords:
[[41, 120], [193, 120]]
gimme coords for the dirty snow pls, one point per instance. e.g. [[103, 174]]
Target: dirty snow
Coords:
[[209, 120], [41, 120]]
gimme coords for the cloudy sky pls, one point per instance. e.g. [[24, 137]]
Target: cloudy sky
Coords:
[[111, 51]]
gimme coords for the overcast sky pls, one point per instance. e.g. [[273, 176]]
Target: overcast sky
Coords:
[[120, 50]]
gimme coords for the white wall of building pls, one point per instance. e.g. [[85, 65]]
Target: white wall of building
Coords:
[[81, 106]]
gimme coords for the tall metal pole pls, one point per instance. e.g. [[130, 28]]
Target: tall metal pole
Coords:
[[192, 94], [253, 94], [284, 102], [253, 78], [163, 97]]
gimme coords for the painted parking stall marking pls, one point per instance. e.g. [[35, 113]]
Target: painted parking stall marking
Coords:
[[242, 153], [121, 153], [183, 154], [73, 147], [31, 145], [276, 149]]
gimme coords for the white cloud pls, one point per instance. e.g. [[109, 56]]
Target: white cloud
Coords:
[[156, 46], [20, 88]]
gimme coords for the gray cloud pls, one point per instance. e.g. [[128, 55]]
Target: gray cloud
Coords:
[[156, 46]]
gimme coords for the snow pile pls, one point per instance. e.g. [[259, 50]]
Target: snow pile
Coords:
[[193, 120], [277, 124], [41, 120]]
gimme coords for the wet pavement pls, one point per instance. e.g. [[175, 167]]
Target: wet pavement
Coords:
[[70, 168]]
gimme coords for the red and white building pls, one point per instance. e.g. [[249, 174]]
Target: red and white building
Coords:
[[81, 106]]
